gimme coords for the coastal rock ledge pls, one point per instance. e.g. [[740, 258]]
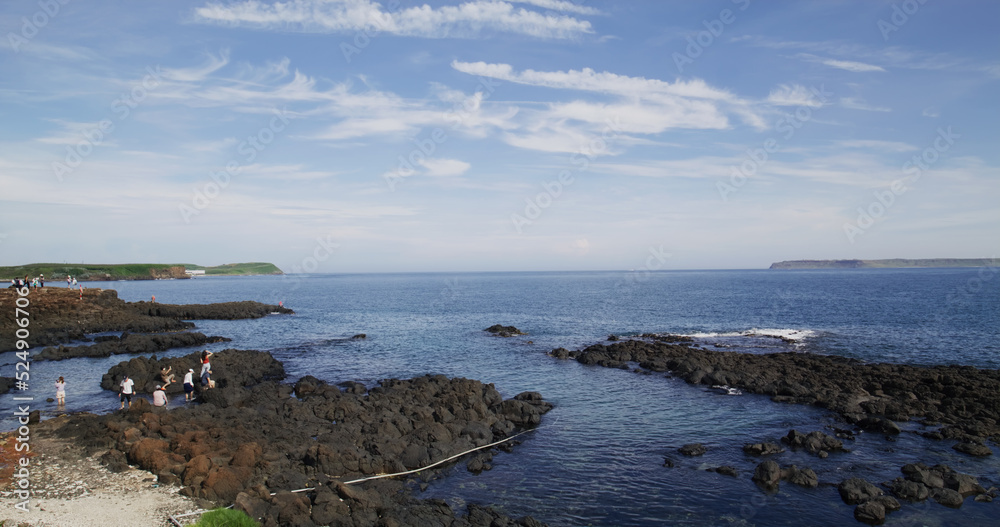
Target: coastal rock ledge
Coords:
[[275, 438], [964, 400]]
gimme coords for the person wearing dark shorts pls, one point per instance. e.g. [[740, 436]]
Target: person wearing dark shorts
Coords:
[[126, 392], [189, 385]]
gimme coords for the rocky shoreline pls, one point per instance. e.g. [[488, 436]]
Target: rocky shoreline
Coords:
[[252, 441], [60, 315], [254, 438], [128, 343], [956, 403]]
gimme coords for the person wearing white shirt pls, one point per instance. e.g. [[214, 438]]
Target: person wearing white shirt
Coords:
[[189, 385], [126, 392], [159, 397]]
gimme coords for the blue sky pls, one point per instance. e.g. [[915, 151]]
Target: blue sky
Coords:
[[358, 135]]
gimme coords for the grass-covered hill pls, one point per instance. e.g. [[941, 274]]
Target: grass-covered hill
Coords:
[[54, 272]]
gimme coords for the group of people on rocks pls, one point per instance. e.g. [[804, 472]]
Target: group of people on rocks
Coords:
[[34, 283], [127, 386]]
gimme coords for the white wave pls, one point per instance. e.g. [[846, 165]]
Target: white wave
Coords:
[[786, 334], [727, 390], [712, 335]]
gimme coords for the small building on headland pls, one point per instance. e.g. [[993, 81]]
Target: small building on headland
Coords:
[[194, 272]]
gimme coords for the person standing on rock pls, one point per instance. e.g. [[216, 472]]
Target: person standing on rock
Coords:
[[41, 280], [69, 282], [160, 396], [126, 392], [189, 385], [205, 363], [60, 392]]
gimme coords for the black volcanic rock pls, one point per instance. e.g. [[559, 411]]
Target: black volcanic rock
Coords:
[[263, 441], [129, 343], [504, 331], [230, 368], [963, 399]]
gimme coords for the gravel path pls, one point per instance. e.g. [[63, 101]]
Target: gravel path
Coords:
[[72, 490]]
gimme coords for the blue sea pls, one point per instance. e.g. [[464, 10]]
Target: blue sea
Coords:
[[598, 457]]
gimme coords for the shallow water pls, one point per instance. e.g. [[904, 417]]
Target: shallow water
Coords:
[[597, 458]]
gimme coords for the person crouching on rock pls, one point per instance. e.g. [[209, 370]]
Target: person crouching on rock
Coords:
[[166, 376], [189, 385], [206, 379], [160, 396], [126, 392]]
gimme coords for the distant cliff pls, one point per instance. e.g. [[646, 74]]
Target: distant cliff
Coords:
[[239, 269], [892, 263]]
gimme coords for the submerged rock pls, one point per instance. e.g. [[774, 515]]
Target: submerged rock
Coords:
[[767, 474], [857, 490], [816, 443], [693, 449], [762, 449], [973, 449], [504, 331], [872, 513]]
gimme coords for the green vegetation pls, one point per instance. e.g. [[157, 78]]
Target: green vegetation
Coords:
[[87, 272], [225, 518], [54, 272], [885, 264], [250, 268]]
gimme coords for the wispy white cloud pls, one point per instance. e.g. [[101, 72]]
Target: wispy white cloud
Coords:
[[444, 167], [794, 95], [637, 105], [848, 65], [851, 65], [853, 103], [601, 82], [211, 64], [466, 20], [863, 56], [882, 146], [560, 5], [72, 133], [271, 173]]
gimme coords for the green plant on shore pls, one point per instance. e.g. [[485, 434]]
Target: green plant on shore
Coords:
[[225, 518]]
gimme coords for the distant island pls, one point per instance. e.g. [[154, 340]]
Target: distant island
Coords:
[[110, 272], [885, 264]]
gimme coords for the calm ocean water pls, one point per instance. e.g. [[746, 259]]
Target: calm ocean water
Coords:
[[597, 459]]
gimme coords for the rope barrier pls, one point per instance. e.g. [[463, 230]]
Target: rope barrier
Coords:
[[174, 518]]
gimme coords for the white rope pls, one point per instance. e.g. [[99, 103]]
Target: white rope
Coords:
[[434, 464], [173, 518]]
